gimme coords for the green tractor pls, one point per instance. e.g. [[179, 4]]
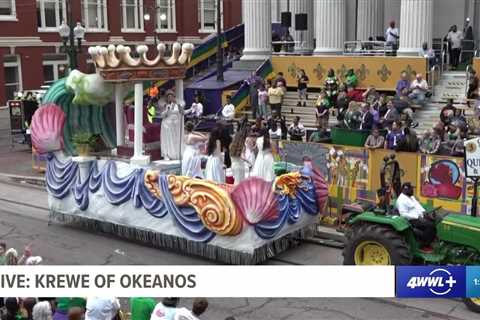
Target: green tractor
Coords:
[[377, 236]]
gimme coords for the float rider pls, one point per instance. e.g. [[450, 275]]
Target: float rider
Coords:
[[409, 208]]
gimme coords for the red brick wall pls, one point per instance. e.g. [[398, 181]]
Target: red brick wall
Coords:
[[3, 100]]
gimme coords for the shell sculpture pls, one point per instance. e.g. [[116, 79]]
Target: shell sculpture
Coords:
[[113, 57], [47, 128], [321, 190], [255, 200]]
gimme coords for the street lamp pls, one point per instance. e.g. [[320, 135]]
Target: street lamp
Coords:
[[147, 16], [69, 34]]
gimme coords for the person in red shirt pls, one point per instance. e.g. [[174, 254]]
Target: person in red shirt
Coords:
[[354, 94]]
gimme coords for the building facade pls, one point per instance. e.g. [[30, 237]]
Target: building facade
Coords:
[[31, 47]]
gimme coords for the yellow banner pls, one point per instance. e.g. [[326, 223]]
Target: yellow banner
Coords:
[[380, 72]]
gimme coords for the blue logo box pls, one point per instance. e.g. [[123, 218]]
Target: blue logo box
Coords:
[[430, 281], [473, 282]]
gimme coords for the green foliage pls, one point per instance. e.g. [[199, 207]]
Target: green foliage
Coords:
[[82, 138]]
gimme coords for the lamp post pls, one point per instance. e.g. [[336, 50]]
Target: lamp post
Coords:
[[219, 43], [147, 16], [69, 34]]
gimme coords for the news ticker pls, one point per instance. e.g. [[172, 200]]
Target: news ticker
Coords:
[[242, 281]]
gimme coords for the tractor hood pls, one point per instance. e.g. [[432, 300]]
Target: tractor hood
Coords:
[[460, 229]]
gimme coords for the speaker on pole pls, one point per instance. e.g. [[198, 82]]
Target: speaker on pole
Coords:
[[301, 22], [286, 19]]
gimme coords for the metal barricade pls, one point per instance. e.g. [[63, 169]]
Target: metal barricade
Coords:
[[367, 48]]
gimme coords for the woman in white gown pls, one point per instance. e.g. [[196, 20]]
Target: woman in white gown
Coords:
[[250, 153], [263, 167], [171, 140], [214, 170], [236, 153], [192, 159]]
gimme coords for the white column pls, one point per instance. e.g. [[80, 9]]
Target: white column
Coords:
[[120, 126], [416, 26], [305, 37], [179, 92], [138, 157], [258, 29], [330, 26], [276, 15], [370, 16]]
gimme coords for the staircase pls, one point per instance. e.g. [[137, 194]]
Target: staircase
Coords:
[[451, 85]]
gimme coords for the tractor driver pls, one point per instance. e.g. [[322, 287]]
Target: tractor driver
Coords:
[[412, 210]]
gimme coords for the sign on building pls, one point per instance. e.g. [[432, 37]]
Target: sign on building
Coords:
[[472, 158]]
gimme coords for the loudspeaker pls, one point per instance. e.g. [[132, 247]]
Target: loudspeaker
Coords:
[[301, 22], [286, 19]]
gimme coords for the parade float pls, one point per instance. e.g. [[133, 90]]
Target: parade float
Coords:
[[141, 200]]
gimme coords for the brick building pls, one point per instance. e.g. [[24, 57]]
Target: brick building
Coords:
[[30, 46]]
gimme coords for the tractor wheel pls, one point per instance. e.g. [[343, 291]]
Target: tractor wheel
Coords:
[[374, 244], [473, 304]]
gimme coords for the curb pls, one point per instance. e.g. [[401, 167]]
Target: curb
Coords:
[[36, 181]]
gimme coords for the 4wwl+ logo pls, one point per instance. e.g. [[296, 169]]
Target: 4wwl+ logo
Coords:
[[430, 282]]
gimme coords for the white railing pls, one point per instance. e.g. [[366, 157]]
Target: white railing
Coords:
[[433, 74], [367, 48]]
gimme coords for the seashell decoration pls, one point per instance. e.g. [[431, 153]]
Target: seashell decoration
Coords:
[[47, 128], [255, 200], [114, 56]]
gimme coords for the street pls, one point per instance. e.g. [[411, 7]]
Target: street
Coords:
[[24, 220]]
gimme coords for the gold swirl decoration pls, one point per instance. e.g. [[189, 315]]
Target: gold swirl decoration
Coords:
[[287, 184], [212, 203]]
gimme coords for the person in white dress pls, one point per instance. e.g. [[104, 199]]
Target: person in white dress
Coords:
[[102, 308], [263, 167], [192, 159], [237, 149], [171, 141], [250, 153], [214, 169]]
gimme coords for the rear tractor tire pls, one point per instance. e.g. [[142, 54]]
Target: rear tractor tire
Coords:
[[473, 304], [374, 244]]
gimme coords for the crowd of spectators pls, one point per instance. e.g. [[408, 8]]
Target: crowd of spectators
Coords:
[[97, 308]]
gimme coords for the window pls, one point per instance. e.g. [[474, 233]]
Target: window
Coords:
[[7, 10], [94, 15], [207, 15], [54, 70], [13, 78], [50, 14], [132, 15], [166, 20]]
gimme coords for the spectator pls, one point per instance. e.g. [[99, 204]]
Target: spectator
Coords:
[[28, 304], [429, 54], [258, 129], [280, 80], [323, 107], [228, 110], [199, 306], [370, 95], [367, 118], [263, 102], [254, 83], [419, 88], [469, 44], [331, 87], [275, 95], [392, 36], [275, 131], [142, 308], [65, 304], [277, 47], [374, 140], [455, 38], [409, 143], [342, 104], [381, 105], [296, 130], [102, 308], [302, 88], [390, 116], [283, 126], [76, 313], [473, 85], [320, 135], [354, 94], [447, 112], [394, 136], [375, 114], [403, 107], [165, 310], [12, 307], [430, 143], [351, 78], [42, 311], [3, 250], [402, 84]]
